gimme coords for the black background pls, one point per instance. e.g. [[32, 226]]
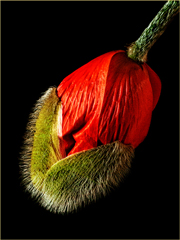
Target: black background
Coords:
[[43, 42]]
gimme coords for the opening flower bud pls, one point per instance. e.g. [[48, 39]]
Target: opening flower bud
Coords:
[[81, 136]]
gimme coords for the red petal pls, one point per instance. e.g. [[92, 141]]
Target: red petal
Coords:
[[128, 101], [110, 98], [82, 94]]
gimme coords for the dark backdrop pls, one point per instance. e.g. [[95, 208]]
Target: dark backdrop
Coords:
[[43, 42]]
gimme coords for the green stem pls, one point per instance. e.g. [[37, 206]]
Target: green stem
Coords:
[[139, 49]]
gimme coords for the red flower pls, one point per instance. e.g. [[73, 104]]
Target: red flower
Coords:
[[110, 98]]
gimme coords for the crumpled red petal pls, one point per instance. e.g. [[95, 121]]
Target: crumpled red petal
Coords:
[[110, 98]]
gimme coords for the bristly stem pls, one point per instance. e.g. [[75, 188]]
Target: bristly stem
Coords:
[[139, 49]]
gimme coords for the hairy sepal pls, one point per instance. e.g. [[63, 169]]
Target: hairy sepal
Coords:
[[83, 177], [66, 184], [41, 145]]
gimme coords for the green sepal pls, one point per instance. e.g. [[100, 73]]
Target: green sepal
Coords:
[[45, 150], [83, 177]]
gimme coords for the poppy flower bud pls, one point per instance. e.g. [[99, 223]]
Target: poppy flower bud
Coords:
[[81, 136], [110, 98]]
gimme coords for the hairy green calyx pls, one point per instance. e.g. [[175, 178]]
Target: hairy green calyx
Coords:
[[65, 184], [83, 177], [41, 146], [45, 151]]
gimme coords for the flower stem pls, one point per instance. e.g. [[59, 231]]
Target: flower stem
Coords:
[[139, 49]]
